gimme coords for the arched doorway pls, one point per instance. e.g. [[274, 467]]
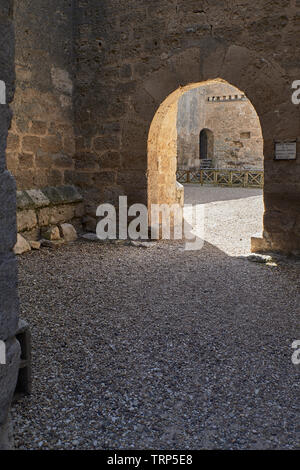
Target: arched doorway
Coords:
[[263, 83], [163, 142], [206, 145], [203, 145]]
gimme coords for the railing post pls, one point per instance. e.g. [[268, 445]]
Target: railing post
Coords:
[[216, 177]]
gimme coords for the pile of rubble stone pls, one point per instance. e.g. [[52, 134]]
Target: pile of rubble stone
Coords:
[[52, 237], [48, 217]]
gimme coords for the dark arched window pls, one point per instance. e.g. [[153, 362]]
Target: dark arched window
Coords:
[[206, 144], [203, 145]]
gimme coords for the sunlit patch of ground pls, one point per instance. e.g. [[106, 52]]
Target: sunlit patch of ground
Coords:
[[232, 215]]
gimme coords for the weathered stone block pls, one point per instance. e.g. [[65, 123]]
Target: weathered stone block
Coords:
[[43, 159], [106, 142], [25, 177], [22, 245], [62, 213], [43, 216], [68, 232], [51, 233], [25, 160], [30, 143], [38, 197], [55, 177], [24, 201], [35, 245], [61, 80], [85, 161], [62, 161], [53, 195], [82, 180], [109, 160], [12, 162], [38, 127], [69, 145], [33, 234], [13, 141], [26, 220], [51, 144], [69, 194]]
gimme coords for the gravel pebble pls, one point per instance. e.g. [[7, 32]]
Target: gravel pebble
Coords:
[[163, 348]]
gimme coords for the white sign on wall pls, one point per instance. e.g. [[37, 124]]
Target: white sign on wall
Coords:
[[2, 92], [286, 150]]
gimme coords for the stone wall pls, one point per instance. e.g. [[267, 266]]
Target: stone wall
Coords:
[[41, 141], [236, 133], [8, 270], [91, 76], [38, 210], [131, 55]]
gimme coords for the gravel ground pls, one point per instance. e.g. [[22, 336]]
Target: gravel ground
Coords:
[[163, 348]]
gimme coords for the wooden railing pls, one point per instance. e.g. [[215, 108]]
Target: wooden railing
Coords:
[[238, 178]]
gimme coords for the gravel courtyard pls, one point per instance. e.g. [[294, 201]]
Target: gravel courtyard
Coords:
[[162, 348]]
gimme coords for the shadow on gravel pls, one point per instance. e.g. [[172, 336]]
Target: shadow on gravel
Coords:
[[158, 348]]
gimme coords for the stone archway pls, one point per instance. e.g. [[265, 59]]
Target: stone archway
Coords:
[[162, 149], [266, 86]]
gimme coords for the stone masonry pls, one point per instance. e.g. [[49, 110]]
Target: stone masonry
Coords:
[[39, 209], [232, 121], [132, 55], [92, 79], [97, 90], [41, 142], [8, 270]]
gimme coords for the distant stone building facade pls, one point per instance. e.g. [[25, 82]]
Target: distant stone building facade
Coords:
[[219, 128]]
